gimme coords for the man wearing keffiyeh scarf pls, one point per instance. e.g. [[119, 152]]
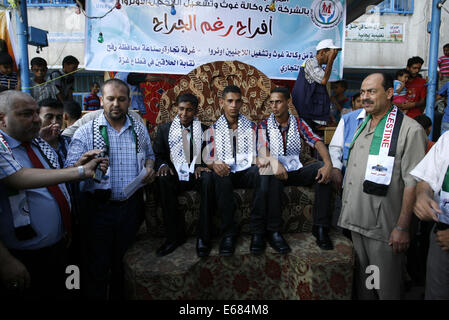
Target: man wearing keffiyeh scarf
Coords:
[[279, 152], [231, 141], [178, 148]]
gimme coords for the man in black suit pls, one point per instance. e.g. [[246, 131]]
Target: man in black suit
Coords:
[[178, 148]]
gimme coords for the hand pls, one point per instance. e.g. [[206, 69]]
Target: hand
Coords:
[[86, 157], [164, 170], [89, 168], [150, 176], [332, 55], [262, 162], [399, 240], [425, 207], [442, 239], [337, 179], [324, 174], [50, 132], [221, 168], [198, 171], [279, 171], [14, 275]]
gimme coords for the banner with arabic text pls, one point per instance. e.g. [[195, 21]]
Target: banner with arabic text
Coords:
[[176, 36]]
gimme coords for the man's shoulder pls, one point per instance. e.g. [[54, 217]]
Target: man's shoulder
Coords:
[[411, 124]]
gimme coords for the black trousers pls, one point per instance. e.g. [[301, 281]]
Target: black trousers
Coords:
[[112, 228], [273, 189], [46, 267], [224, 190], [174, 221]]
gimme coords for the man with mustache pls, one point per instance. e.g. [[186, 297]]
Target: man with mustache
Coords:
[[115, 210], [35, 222], [379, 192]]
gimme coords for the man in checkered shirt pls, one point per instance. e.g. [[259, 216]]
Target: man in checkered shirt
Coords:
[[114, 215]]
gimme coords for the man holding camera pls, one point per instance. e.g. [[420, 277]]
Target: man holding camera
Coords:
[[115, 207]]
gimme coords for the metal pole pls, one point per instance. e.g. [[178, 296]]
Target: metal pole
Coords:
[[433, 57], [22, 32]]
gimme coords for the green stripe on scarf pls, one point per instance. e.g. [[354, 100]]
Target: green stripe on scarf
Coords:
[[445, 186], [378, 133]]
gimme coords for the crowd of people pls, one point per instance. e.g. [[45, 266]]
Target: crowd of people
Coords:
[[75, 197]]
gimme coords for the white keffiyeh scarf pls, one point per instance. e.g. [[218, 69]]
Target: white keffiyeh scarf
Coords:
[[175, 142], [245, 141], [291, 158]]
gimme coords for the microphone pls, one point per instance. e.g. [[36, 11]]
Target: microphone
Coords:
[[99, 174]]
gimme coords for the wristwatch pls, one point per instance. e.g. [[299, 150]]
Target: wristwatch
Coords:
[[81, 172], [401, 229]]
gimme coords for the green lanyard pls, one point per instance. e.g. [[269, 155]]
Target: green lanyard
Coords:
[[445, 186]]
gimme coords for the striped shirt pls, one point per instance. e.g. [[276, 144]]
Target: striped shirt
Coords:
[[9, 81], [91, 102], [304, 131], [123, 167], [8, 165], [443, 63], [45, 91]]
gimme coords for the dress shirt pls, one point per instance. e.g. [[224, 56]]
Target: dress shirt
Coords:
[[44, 210], [123, 166]]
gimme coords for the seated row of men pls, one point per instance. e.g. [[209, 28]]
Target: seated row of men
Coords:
[[237, 153]]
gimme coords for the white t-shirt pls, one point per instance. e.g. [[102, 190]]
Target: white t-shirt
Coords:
[[434, 165]]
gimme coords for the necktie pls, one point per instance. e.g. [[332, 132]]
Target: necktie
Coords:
[[188, 132], [284, 134], [55, 192]]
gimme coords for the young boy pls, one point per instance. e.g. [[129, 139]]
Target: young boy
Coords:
[[443, 64], [8, 78], [39, 90], [340, 98], [400, 91], [65, 84], [92, 101]]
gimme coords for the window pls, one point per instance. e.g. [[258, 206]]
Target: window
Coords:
[[394, 6], [50, 3]]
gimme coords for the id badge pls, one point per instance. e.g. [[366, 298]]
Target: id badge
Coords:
[[379, 170], [20, 210], [290, 163], [243, 161]]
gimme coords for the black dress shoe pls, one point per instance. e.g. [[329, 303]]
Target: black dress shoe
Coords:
[[227, 246], [169, 247], [322, 237], [258, 244], [278, 243], [202, 247]]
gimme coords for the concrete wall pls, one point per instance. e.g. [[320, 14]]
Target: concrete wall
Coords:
[[65, 37], [393, 55]]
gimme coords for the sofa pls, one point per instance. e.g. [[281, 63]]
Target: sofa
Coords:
[[306, 273]]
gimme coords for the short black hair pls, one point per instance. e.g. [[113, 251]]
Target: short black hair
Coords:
[[5, 58], [424, 121], [283, 90], [38, 61], [446, 46], [50, 102], [188, 97], [401, 72], [230, 88], [414, 60], [116, 82], [342, 83], [387, 81], [73, 109], [70, 60], [94, 83]]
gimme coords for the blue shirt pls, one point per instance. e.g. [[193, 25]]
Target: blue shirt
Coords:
[[444, 92], [123, 167], [44, 210]]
